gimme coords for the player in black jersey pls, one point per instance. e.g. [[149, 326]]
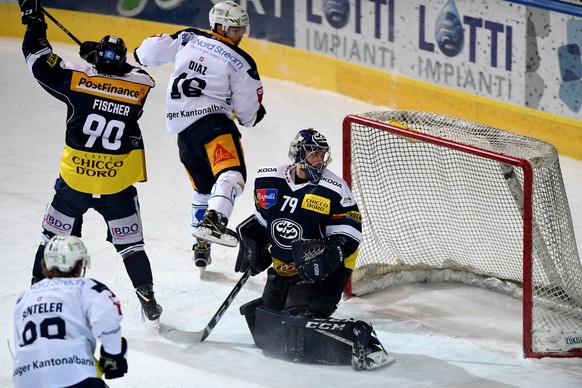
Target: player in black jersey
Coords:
[[307, 229], [104, 149]]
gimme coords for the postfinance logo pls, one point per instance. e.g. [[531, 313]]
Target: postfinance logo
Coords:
[[113, 89]]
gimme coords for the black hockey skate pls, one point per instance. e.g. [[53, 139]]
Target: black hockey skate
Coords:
[[151, 309], [202, 257], [368, 352], [212, 228]]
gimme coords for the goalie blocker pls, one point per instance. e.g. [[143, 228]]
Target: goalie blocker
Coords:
[[313, 340]]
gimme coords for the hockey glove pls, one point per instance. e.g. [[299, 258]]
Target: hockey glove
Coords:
[[316, 260], [253, 248], [114, 366], [88, 51], [30, 12]]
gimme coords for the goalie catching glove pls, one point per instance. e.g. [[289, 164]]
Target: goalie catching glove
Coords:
[[317, 259], [114, 365]]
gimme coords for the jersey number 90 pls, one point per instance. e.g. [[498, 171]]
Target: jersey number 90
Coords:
[[110, 132]]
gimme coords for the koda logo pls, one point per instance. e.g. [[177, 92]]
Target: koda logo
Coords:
[[284, 231], [332, 182]]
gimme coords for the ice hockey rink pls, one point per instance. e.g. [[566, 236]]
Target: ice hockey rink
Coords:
[[441, 335]]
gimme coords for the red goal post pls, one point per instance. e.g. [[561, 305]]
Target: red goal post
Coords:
[[446, 199]]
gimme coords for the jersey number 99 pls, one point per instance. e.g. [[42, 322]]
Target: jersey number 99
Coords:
[[50, 328]]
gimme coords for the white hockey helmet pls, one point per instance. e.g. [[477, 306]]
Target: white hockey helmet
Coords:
[[63, 253], [229, 14]]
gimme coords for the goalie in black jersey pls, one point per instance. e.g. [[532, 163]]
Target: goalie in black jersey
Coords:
[[307, 229], [104, 151]]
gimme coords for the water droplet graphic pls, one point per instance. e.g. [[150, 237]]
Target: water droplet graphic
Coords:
[[449, 33]]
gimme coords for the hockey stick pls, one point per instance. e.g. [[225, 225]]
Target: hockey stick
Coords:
[[61, 26], [178, 335]]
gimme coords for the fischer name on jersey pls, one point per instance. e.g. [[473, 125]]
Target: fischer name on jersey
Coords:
[[283, 207], [56, 324], [211, 75]]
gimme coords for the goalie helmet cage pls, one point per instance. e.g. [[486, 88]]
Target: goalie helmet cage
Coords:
[[445, 199]]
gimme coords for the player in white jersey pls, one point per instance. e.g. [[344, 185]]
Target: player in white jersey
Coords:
[[214, 82], [58, 320]]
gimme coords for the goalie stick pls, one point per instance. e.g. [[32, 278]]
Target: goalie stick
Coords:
[[186, 336]]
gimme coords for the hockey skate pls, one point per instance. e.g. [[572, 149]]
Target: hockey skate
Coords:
[[212, 228], [368, 352], [151, 309], [202, 256]]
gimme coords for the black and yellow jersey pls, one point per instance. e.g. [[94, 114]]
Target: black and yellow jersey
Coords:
[[290, 211], [104, 149]]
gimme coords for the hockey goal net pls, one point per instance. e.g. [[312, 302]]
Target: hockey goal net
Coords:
[[445, 199]]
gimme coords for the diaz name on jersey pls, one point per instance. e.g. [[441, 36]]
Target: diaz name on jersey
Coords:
[[207, 66]]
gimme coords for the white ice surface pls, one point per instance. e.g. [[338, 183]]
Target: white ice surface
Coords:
[[441, 335]]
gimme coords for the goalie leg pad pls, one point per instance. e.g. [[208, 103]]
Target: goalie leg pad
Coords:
[[248, 311], [312, 340], [303, 339]]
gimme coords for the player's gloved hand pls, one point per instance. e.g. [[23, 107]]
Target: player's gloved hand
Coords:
[[254, 249], [30, 12], [88, 51], [114, 365], [316, 260]]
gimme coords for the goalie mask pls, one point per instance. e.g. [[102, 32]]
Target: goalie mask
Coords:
[[311, 152], [229, 14], [110, 55], [63, 253]]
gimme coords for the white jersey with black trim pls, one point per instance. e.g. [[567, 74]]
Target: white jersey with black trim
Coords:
[[56, 324], [211, 75]]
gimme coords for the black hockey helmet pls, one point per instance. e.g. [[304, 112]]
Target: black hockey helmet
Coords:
[[305, 142], [111, 54]]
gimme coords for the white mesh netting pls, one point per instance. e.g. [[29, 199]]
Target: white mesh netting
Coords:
[[457, 213]]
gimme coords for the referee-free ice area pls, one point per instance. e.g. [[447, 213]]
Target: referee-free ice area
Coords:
[[442, 335]]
